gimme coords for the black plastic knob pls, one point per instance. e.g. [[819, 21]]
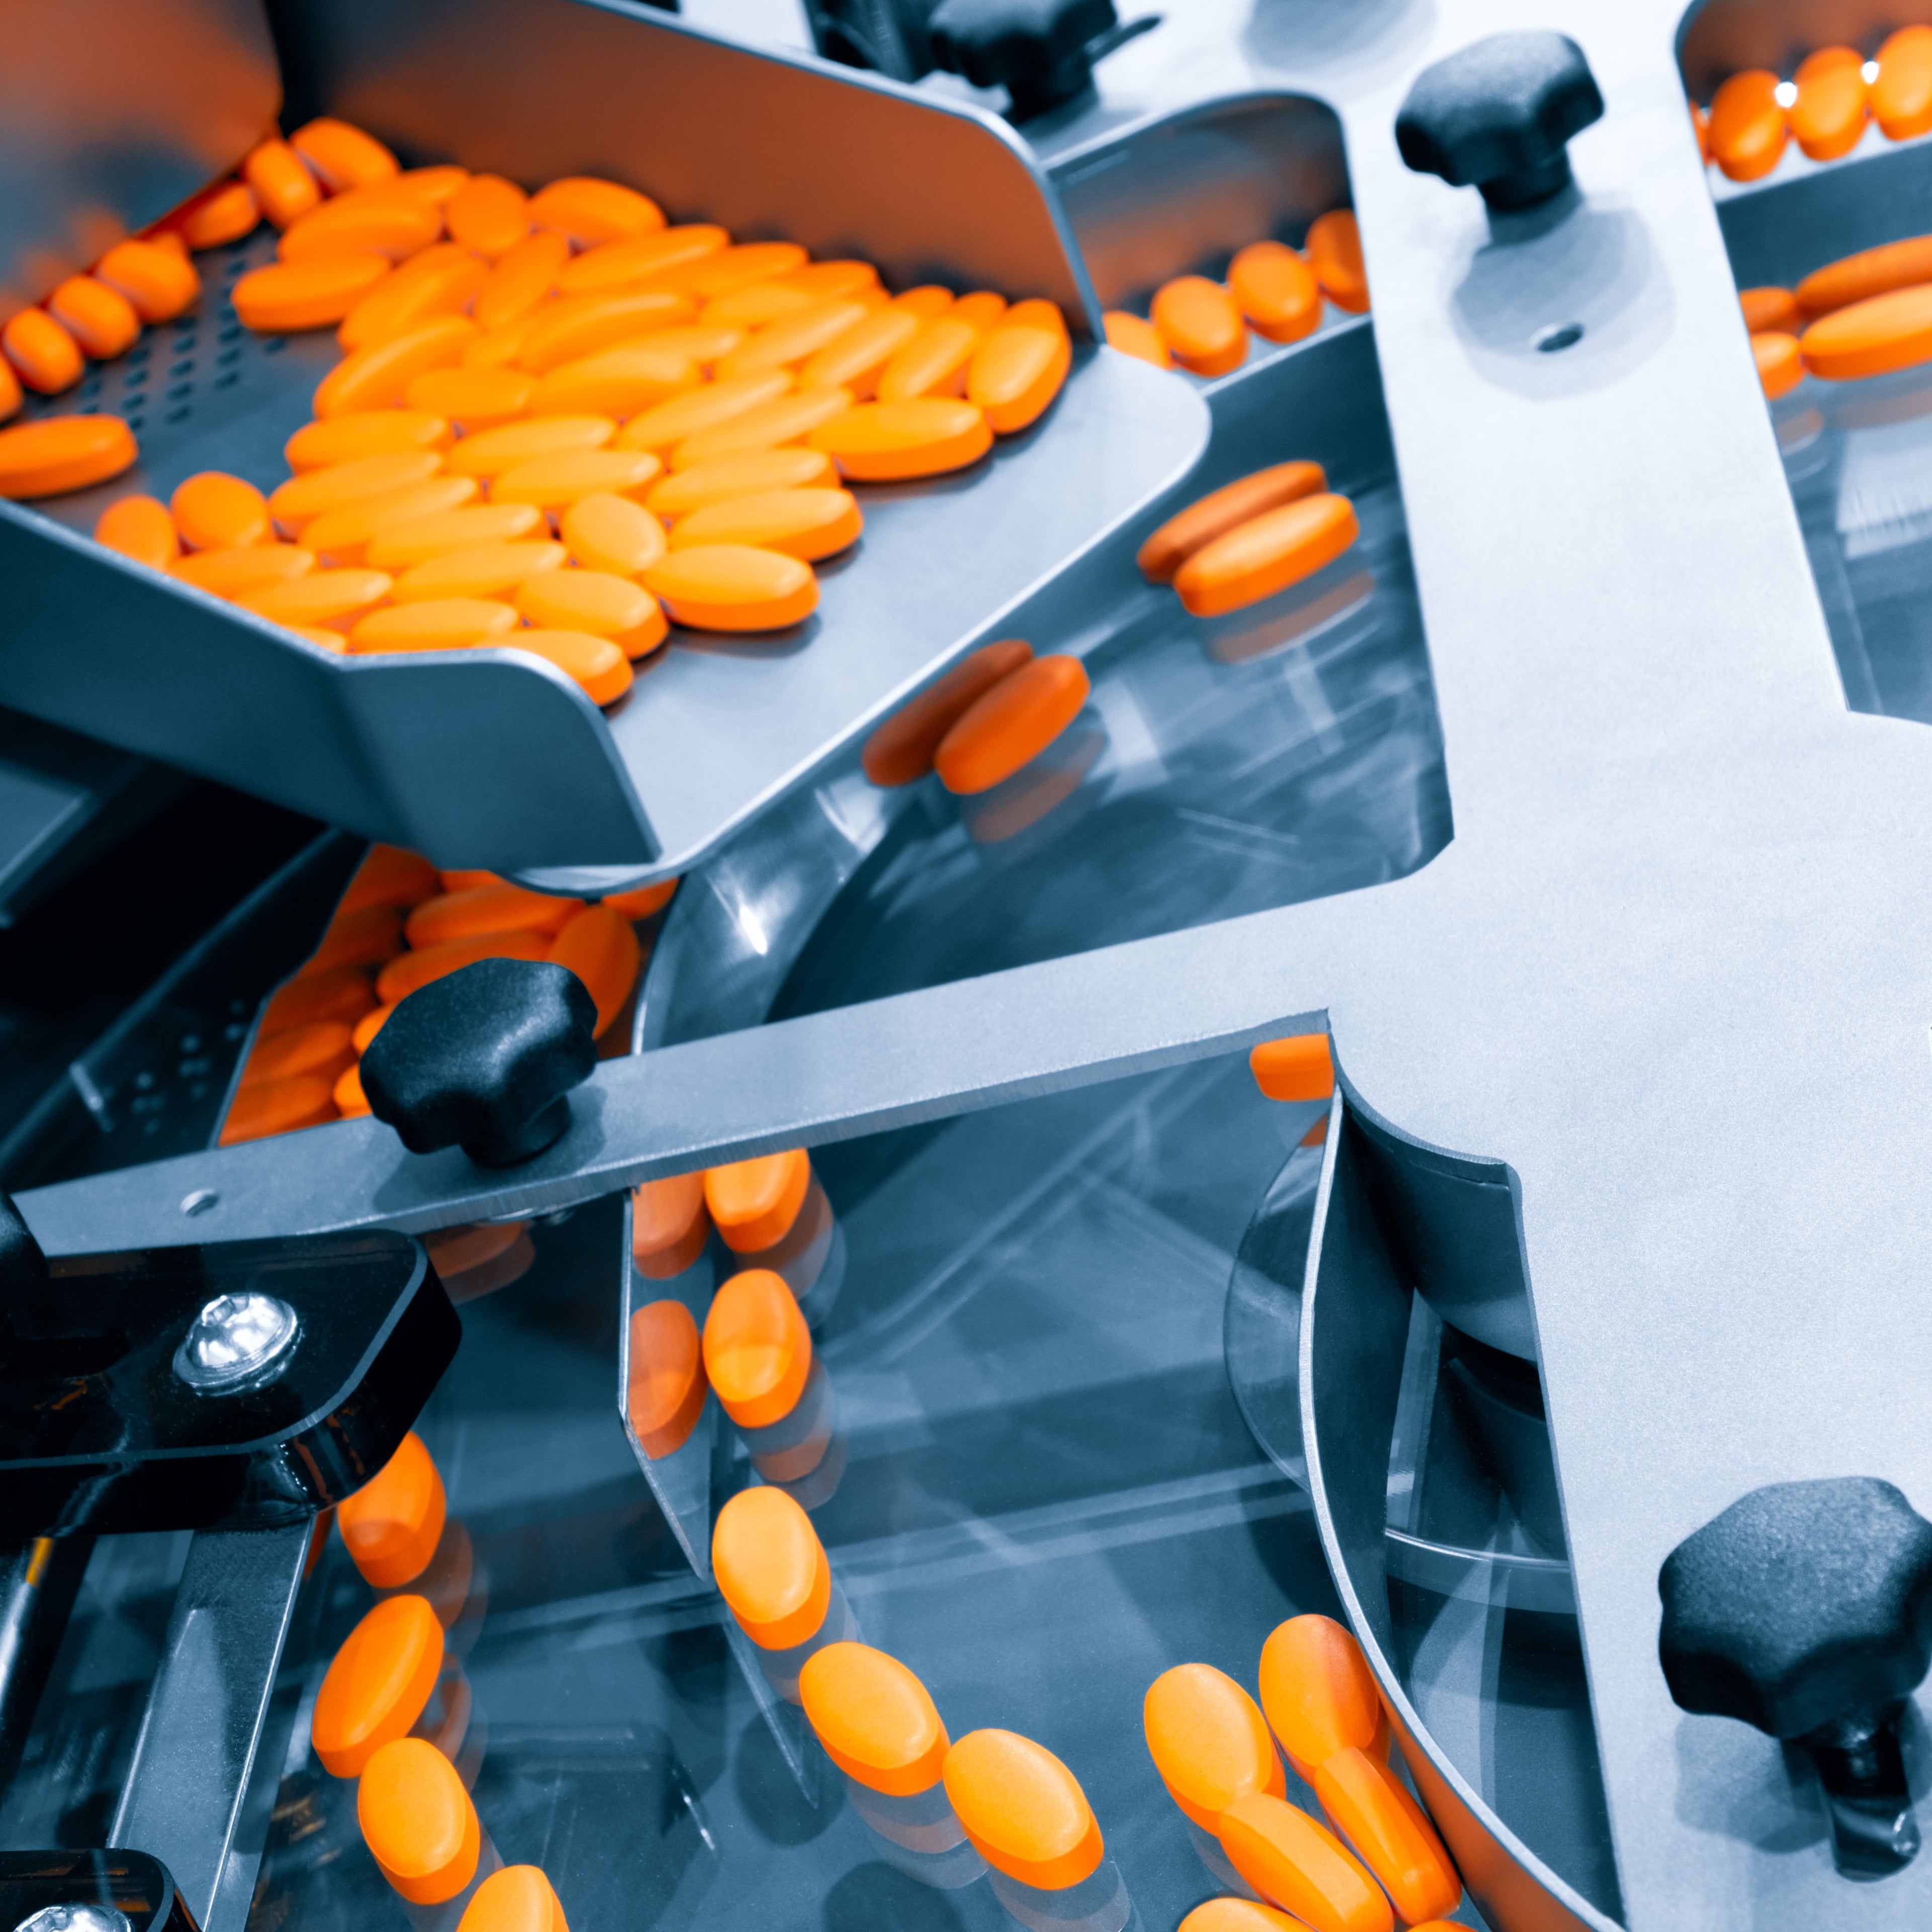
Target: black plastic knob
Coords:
[[22, 1265], [484, 1059], [1498, 114], [1040, 51]]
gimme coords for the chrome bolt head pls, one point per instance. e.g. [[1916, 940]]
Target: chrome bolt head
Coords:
[[237, 1341]]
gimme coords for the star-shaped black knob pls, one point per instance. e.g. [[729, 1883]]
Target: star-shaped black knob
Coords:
[[1040, 51]]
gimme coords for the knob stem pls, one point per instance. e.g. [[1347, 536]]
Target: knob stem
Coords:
[[1528, 186], [1862, 1770]]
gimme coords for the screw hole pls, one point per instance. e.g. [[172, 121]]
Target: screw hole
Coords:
[[1557, 337], [200, 1202]]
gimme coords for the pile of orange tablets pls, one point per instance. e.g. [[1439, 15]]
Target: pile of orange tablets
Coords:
[[1272, 289], [399, 924], [1250, 539], [1867, 314], [562, 424]]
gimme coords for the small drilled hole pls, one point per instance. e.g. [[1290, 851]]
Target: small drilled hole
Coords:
[[200, 1202], [1558, 337], [227, 379], [180, 413]]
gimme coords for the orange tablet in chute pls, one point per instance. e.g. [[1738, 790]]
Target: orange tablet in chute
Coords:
[[1779, 366], [555, 482], [754, 1202], [823, 280], [1266, 554], [1275, 290], [442, 280], [757, 306], [519, 1898], [1035, 312], [750, 475], [46, 357], [340, 993], [1748, 129], [1371, 1808], [325, 597], [793, 338], [438, 184], [497, 907], [487, 214], [396, 225], [1201, 325], [589, 210], [231, 211], [434, 624], [302, 498], [1769, 308], [1300, 1067], [641, 901], [351, 1102], [1023, 1810], [684, 417], [1225, 509], [876, 1720], [283, 188], [1829, 114], [343, 535], [790, 419], [1016, 374], [409, 970], [1871, 337], [392, 1524], [323, 1047], [214, 511], [667, 1389], [1240, 1915], [1901, 96], [366, 937], [1333, 247], [718, 274], [669, 1224], [1134, 335], [1208, 1740], [277, 1107], [157, 281], [923, 436], [390, 877], [375, 377], [342, 157], [758, 1351], [475, 398], [981, 309], [858, 359], [618, 381], [418, 1821], [490, 570], [1301, 1866], [733, 587], [805, 523], [767, 1561], [606, 533], [377, 1684], [491, 451], [11, 395], [285, 296], [1872, 272], [317, 445], [139, 527], [595, 663], [596, 600], [698, 341], [99, 317], [475, 527], [578, 325], [497, 348], [934, 363], [521, 279], [613, 264], [928, 300], [598, 944], [1011, 724], [1317, 1691], [900, 751]]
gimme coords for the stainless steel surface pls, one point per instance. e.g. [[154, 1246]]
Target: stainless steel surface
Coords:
[[212, 1741], [112, 112], [237, 1341]]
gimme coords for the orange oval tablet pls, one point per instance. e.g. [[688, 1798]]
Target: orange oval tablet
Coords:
[[475, 527], [1871, 338], [612, 264], [1266, 554], [99, 317], [285, 296], [983, 309], [338, 993], [11, 395], [1225, 509], [489, 215], [1829, 114], [728, 268], [1276, 291], [371, 378], [1133, 335], [228, 573], [377, 1684], [1023, 1810], [597, 944], [518, 1898], [1198, 321], [434, 624], [496, 907], [928, 300], [343, 534], [876, 1720], [1768, 309], [1779, 366], [789, 341], [283, 188], [404, 974], [934, 363], [767, 1561], [577, 325], [498, 348], [757, 306], [522, 278], [214, 511], [606, 533], [476, 398], [553, 482], [1372, 1809], [698, 341], [490, 570], [316, 445], [669, 1225], [1301, 1866], [364, 937], [1872, 272], [1016, 374], [615, 381], [157, 281], [277, 1107], [46, 357], [342, 156], [442, 280], [1317, 1691], [391, 877], [667, 1389], [754, 1202], [329, 597], [790, 419], [596, 663], [418, 1821], [391, 1525], [1035, 312], [684, 417], [491, 451], [733, 587], [226, 215], [394, 225], [1333, 247], [1901, 96], [805, 523], [824, 279], [1300, 1067], [758, 1351], [1240, 1914], [1748, 129], [752, 474], [439, 184], [323, 640], [857, 359], [139, 527], [1012, 723], [900, 751], [923, 436], [589, 210], [1208, 1740], [351, 1102], [303, 498], [640, 902], [323, 1046], [596, 600]]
